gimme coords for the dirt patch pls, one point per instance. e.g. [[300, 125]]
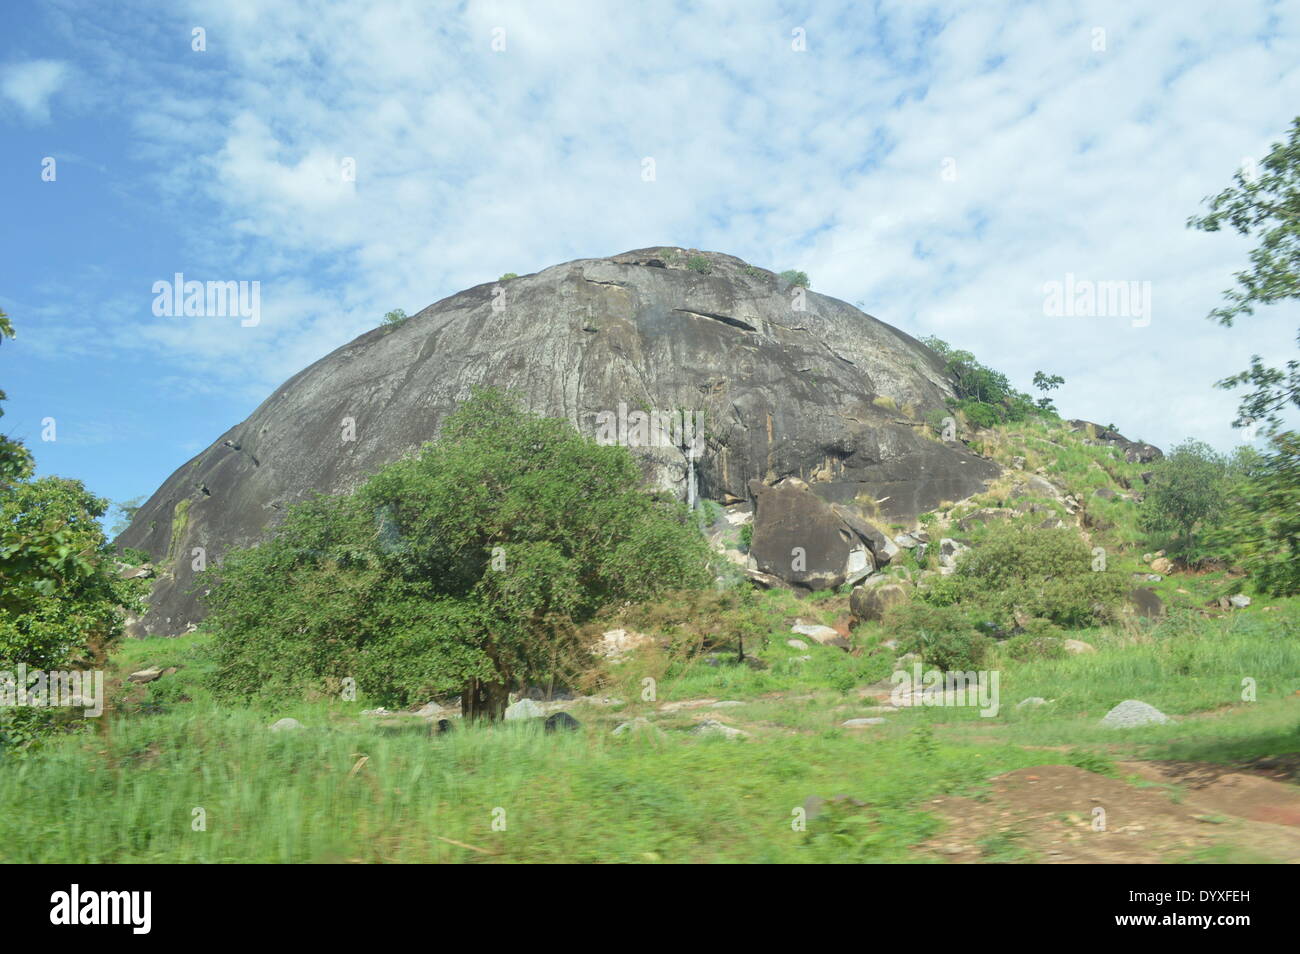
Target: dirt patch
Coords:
[[1059, 814]]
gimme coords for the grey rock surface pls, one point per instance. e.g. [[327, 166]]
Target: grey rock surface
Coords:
[[786, 382]]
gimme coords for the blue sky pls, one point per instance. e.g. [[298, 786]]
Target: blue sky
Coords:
[[937, 163]]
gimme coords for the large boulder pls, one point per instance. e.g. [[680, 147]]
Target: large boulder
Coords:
[[776, 382], [801, 538]]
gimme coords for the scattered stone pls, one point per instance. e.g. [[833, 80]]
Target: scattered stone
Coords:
[[1239, 600], [685, 704], [637, 726], [286, 725], [145, 675], [859, 723], [712, 727], [1131, 713], [796, 644], [818, 634], [1146, 602], [1161, 565], [871, 603], [561, 720], [1078, 646], [1031, 701], [381, 711], [727, 704], [524, 709], [1017, 463]]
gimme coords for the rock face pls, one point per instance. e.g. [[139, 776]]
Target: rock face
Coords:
[[1135, 452], [777, 382]]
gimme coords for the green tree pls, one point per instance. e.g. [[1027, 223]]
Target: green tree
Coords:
[[1188, 486], [794, 277], [1046, 383], [985, 396], [1263, 203], [395, 317], [1260, 526], [468, 568]]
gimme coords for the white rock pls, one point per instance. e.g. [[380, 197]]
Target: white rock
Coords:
[[285, 725], [711, 727], [818, 634], [796, 644], [524, 709], [1131, 713], [858, 723], [1239, 600]]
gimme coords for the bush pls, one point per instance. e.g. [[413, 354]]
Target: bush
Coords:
[[1187, 487], [792, 277], [1027, 647], [698, 263], [1259, 528], [468, 568], [985, 396], [395, 318], [1017, 570], [942, 636]]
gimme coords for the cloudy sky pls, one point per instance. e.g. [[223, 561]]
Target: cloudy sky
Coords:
[[940, 164]]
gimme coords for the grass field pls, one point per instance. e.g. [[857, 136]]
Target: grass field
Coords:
[[170, 776]]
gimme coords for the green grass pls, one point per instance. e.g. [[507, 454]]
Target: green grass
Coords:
[[357, 789]]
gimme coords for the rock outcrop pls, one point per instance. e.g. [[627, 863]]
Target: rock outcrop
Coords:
[[775, 382]]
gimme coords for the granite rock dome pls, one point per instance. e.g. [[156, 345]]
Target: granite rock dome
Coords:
[[778, 381]]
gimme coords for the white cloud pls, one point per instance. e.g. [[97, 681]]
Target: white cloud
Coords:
[[471, 163], [31, 84]]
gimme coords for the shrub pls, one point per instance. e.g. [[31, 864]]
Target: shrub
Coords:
[[1027, 647], [507, 276], [942, 636], [468, 568], [395, 318], [698, 263], [1018, 570], [792, 277]]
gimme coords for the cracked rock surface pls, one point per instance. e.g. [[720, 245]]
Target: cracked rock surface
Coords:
[[783, 382]]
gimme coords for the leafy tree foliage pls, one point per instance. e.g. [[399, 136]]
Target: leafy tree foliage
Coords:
[[1187, 487], [1263, 203], [1046, 383], [794, 277], [62, 605], [467, 568], [985, 396], [1018, 574], [1259, 525]]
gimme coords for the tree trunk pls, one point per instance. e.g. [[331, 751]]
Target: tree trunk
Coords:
[[484, 700]]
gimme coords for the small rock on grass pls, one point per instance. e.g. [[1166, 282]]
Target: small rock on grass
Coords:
[[712, 727], [1133, 712], [285, 725], [859, 723], [561, 721]]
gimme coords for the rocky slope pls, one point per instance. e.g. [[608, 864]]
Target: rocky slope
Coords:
[[779, 383]]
